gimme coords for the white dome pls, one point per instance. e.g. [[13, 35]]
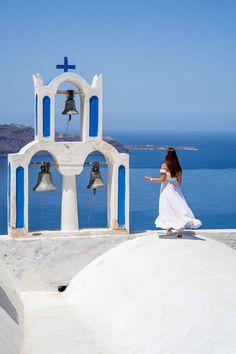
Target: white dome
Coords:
[[153, 295]]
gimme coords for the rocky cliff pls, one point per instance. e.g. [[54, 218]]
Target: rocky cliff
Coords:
[[14, 136]]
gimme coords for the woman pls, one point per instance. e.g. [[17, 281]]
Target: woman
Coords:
[[174, 212]]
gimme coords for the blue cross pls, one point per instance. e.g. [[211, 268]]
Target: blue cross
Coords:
[[66, 66]]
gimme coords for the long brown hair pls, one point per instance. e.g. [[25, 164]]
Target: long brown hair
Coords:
[[172, 162]]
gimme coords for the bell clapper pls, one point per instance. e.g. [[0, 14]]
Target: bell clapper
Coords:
[[68, 122], [91, 207], [42, 207]]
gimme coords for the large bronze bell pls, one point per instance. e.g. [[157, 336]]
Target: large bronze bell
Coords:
[[70, 108], [44, 183], [95, 180]]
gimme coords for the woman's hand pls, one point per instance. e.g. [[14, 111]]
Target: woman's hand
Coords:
[[146, 178]]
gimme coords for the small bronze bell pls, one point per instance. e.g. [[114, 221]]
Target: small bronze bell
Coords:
[[95, 180], [44, 183], [70, 108]]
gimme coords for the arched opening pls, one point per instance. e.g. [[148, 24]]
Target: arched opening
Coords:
[[92, 208], [68, 128], [44, 207]]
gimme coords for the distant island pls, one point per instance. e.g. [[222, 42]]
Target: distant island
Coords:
[[14, 136]]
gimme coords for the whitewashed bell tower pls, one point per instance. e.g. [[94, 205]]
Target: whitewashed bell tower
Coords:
[[69, 157]]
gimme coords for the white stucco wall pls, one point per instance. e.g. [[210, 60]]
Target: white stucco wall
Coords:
[[69, 157], [11, 314], [87, 92]]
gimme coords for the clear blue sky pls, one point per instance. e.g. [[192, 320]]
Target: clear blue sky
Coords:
[[166, 64]]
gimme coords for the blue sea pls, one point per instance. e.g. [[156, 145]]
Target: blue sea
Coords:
[[209, 184]]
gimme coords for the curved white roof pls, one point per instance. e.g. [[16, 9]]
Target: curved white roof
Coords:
[[157, 295]]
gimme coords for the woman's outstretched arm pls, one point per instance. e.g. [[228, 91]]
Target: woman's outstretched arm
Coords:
[[160, 179], [154, 179]]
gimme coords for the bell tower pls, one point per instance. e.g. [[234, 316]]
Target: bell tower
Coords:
[[69, 156]]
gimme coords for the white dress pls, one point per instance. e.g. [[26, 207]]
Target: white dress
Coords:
[[174, 211]]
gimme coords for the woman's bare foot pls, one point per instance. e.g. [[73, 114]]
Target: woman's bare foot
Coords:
[[169, 231], [180, 232]]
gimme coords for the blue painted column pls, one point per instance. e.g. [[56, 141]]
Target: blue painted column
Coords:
[[36, 115], [121, 196], [93, 117], [46, 116], [9, 194], [20, 197]]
